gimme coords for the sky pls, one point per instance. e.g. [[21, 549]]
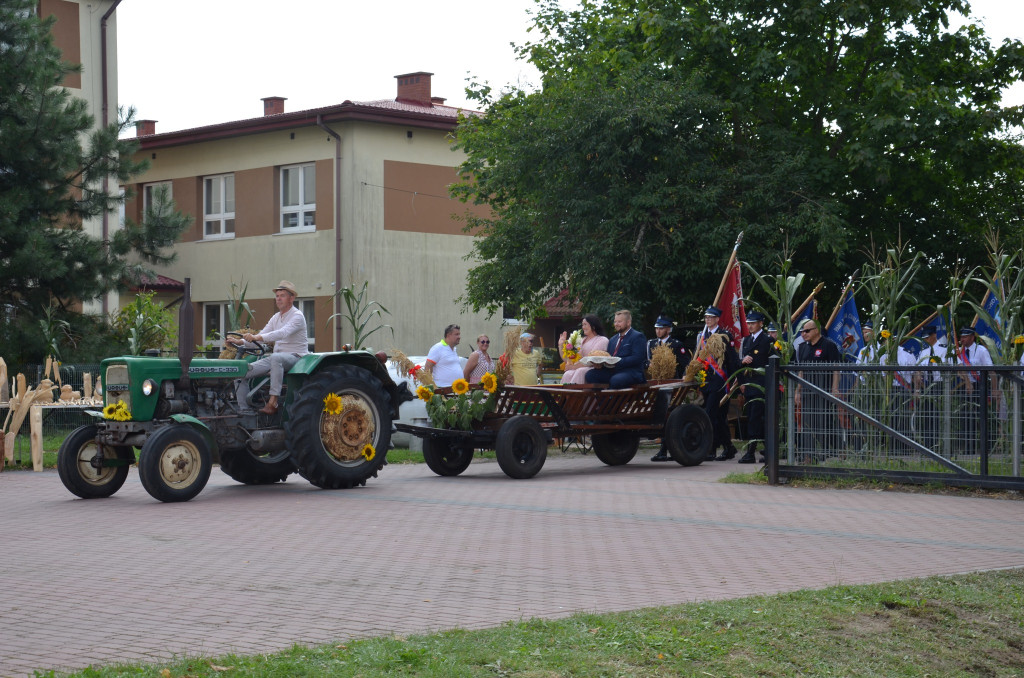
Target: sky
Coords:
[[189, 63]]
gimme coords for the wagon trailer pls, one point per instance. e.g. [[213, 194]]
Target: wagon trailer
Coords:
[[526, 420]]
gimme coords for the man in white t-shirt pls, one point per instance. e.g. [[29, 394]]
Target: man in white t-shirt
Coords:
[[442, 361], [287, 331]]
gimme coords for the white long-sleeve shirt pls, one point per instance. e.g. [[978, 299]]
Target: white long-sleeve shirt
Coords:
[[287, 331]]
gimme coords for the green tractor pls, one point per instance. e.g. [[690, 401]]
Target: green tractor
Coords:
[[180, 414]]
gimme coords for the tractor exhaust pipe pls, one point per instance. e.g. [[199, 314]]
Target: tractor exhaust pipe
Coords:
[[185, 323]]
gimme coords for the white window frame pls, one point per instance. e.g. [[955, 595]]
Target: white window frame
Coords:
[[222, 216], [222, 321], [307, 307], [149, 189], [300, 210]]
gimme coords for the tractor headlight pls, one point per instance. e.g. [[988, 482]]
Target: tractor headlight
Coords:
[[148, 387]]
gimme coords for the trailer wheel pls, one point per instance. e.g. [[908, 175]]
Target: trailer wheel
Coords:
[[333, 451], [77, 465], [615, 449], [688, 435], [445, 457], [521, 447], [175, 463], [248, 468]]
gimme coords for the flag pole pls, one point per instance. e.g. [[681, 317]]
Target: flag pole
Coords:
[[728, 268], [924, 322], [797, 312], [842, 299]]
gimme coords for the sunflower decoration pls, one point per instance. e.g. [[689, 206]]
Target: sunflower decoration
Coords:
[[424, 393], [117, 411], [701, 377], [460, 387], [333, 404], [368, 452], [885, 334], [490, 382]]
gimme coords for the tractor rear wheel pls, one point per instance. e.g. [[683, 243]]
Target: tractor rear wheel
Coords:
[[343, 449], [249, 468]]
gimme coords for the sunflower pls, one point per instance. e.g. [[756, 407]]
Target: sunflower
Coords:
[[886, 334], [368, 452], [108, 411], [489, 382], [424, 393], [332, 404], [460, 386], [122, 414], [1019, 339], [778, 345]]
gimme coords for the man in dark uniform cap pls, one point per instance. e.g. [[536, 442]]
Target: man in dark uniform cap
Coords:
[[663, 337], [711, 326], [755, 351]]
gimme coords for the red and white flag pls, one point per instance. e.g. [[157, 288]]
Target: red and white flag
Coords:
[[734, 317]]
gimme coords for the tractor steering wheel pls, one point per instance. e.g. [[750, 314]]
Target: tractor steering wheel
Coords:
[[257, 350]]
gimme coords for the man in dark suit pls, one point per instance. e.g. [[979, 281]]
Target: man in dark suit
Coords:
[[663, 332], [755, 351], [630, 346]]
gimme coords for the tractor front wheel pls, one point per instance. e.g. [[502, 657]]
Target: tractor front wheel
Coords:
[[90, 470]]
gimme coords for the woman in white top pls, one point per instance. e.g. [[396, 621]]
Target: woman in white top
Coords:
[[479, 362]]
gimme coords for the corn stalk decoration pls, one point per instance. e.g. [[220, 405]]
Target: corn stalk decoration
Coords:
[[359, 313]]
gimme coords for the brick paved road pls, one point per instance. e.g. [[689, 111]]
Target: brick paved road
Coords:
[[256, 569]]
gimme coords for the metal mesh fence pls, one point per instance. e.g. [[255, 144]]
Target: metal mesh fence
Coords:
[[881, 417]]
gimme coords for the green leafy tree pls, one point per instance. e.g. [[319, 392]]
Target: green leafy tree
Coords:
[[52, 166], [627, 188], [883, 121]]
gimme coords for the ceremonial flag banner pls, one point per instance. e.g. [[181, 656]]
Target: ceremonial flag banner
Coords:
[[734, 317], [845, 329], [991, 306], [810, 311]]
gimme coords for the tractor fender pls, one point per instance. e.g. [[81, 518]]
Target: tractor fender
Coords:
[[200, 427]]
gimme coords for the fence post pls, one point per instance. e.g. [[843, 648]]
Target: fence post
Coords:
[[1015, 427], [983, 423], [771, 419]]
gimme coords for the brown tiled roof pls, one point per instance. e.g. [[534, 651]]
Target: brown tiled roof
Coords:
[[160, 282], [560, 305]]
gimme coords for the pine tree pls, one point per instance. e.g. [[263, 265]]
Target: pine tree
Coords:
[[52, 165]]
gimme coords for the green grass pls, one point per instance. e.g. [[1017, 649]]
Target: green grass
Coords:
[[962, 625]]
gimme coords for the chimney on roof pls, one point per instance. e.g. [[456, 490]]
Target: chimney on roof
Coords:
[[273, 105], [144, 128], [437, 100], [414, 88]]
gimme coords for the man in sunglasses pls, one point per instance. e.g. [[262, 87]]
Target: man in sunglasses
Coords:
[[817, 414]]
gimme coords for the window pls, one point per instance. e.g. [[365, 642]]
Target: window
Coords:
[[298, 198], [219, 207], [308, 310], [214, 317], [159, 196]]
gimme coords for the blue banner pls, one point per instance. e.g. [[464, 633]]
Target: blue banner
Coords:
[[991, 306], [845, 330]]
